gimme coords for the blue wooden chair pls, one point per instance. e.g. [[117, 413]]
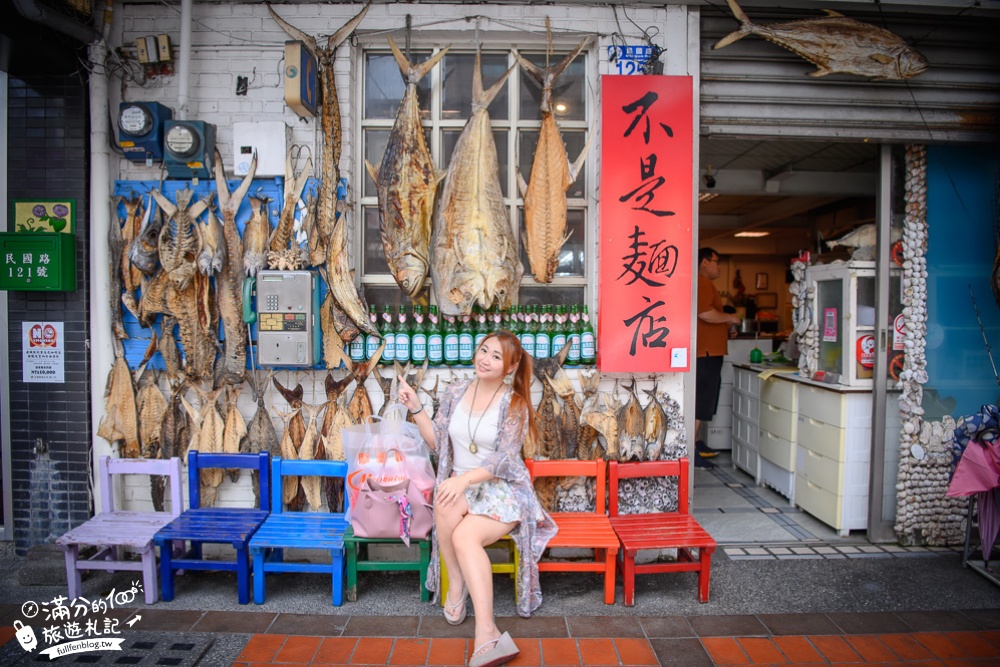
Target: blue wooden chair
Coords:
[[214, 525], [301, 530]]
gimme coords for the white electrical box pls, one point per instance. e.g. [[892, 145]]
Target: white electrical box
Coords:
[[268, 138]]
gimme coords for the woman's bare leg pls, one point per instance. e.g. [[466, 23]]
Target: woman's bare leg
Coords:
[[470, 538], [446, 518]]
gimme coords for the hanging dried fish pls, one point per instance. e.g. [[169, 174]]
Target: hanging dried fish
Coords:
[[197, 315], [289, 452], [229, 284], [333, 344], [334, 419], [210, 441], [116, 245], [631, 429], [360, 407], [601, 413], [213, 246], [551, 176], [655, 428], [330, 118], [340, 279], [235, 429], [120, 421], [145, 253], [406, 182], [151, 405], [174, 430], [586, 439], [154, 299], [294, 186], [167, 346], [256, 234], [295, 431], [548, 423], [434, 394], [474, 254], [261, 436], [131, 276], [180, 238], [388, 387], [312, 448], [569, 426]]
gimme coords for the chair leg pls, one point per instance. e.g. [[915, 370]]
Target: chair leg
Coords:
[[259, 594], [351, 549], [628, 577], [149, 574], [72, 552], [243, 574], [425, 561], [443, 583], [610, 560], [704, 574], [166, 570], [337, 565]]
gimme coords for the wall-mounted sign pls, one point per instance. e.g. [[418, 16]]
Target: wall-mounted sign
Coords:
[[43, 215], [645, 229], [44, 262], [629, 58], [43, 350]]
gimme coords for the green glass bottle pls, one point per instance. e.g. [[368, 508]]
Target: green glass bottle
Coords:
[[543, 337], [388, 330], [418, 336], [588, 342], [435, 339], [559, 330], [466, 338], [450, 340], [372, 340], [479, 330], [573, 333], [527, 331], [403, 337], [497, 323]]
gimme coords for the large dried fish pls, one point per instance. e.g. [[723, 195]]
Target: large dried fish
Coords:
[[235, 429], [145, 253], [256, 234], [551, 176], [330, 114], [229, 284], [311, 449], [167, 346], [333, 344], [150, 408], [474, 255], [295, 431], [131, 276], [340, 279], [836, 44], [601, 413], [334, 419], [631, 429], [282, 234], [116, 245], [120, 421], [360, 407], [405, 183], [198, 317], [174, 431], [180, 238], [289, 451], [388, 386], [210, 441], [549, 425], [655, 428], [213, 246], [261, 436], [587, 435], [569, 427]]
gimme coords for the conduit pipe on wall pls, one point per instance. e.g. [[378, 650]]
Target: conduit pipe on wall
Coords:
[[184, 60]]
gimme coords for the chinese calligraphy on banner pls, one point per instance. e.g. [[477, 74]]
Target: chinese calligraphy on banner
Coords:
[[645, 228]]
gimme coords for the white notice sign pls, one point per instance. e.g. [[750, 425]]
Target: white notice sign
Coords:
[[43, 351]]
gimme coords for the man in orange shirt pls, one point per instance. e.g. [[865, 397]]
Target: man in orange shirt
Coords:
[[713, 340]]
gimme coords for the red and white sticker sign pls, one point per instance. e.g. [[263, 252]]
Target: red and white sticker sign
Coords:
[[897, 332], [866, 351], [42, 352]]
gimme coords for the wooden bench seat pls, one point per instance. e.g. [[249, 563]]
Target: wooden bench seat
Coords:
[[661, 530], [299, 530], [587, 530], [111, 531], [214, 525]]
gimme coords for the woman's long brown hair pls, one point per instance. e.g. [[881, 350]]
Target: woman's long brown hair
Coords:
[[514, 357]]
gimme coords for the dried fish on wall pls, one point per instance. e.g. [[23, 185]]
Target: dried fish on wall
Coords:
[[261, 436], [334, 419], [406, 182], [474, 255], [120, 422], [256, 234], [291, 442], [551, 176], [836, 44], [116, 245]]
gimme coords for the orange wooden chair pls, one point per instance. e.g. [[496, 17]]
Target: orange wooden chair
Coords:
[[662, 530], [586, 530]]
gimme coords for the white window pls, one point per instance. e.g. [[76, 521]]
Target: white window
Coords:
[[445, 100]]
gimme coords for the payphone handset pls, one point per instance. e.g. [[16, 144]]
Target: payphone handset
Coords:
[[287, 315]]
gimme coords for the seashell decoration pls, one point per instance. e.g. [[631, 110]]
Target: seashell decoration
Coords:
[[802, 322]]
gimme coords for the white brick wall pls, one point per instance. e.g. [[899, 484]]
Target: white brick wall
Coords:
[[230, 40]]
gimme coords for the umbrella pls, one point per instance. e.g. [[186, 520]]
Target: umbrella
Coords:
[[978, 469], [989, 520]]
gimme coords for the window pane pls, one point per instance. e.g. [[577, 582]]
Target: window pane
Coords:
[[568, 96], [571, 255], [565, 295], [384, 85], [450, 137], [457, 94], [375, 141], [573, 142], [374, 259], [380, 295]]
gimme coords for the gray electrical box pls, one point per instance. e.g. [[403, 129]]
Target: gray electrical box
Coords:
[[288, 326]]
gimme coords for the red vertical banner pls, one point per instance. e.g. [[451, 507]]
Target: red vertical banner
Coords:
[[645, 310]]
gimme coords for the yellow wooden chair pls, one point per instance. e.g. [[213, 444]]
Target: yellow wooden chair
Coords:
[[504, 567]]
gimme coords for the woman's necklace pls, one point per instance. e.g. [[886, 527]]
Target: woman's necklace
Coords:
[[473, 447]]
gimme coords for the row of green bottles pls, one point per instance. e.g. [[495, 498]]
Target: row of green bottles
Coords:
[[543, 331]]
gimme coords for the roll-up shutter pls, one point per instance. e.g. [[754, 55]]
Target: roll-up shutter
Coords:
[[756, 88]]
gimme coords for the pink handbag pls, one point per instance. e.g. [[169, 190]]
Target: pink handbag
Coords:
[[391, 510]]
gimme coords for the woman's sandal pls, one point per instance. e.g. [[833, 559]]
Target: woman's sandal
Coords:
[[504, 649], [454, 614]]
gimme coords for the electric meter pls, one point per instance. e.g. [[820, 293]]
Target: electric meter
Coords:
[[140, 130], [188, 148]]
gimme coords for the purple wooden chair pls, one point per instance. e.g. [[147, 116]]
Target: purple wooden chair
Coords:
[[112, 530]]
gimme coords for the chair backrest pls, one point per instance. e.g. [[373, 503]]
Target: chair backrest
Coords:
[[170, 468], [198, 461], [571, 468], [677, 468], [317, 468]]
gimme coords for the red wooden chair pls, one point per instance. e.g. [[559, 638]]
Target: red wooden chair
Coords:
[[587, 530], [662, 530]]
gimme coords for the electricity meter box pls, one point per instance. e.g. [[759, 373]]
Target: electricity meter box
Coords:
[[140, 130], [188, 147], [267, 139], [288, 327]]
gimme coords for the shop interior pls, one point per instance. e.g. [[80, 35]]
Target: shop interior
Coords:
[[763, 202]]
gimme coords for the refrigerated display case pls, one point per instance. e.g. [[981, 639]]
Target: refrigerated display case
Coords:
[[844, 310]]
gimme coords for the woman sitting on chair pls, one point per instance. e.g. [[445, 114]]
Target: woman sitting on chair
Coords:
[[484, 490]]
